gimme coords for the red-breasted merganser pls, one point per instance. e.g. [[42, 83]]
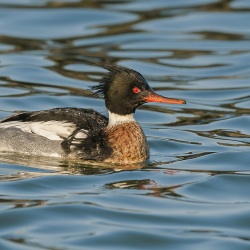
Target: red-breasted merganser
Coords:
[[84, 133]]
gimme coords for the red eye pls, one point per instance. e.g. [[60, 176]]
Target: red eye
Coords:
[[136, 90]]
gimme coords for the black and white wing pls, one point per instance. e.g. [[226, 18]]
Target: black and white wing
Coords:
[[77, 130]]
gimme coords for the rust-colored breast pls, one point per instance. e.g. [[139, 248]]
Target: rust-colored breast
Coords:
[[128, 142]]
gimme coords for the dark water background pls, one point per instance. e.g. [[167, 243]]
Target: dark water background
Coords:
[[195, 194]]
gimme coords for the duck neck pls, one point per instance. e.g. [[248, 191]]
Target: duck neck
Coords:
[[116, 119]]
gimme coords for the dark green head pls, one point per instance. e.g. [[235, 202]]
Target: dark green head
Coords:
[[125, 89]]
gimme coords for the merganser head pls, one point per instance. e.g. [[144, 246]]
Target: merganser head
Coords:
[[125, 89]]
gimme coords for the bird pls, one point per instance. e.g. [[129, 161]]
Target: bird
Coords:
[[85, 134]]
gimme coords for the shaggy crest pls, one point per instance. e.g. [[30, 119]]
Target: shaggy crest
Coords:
[[108, 78]]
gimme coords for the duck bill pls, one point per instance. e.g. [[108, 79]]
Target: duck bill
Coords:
[[153, 97]]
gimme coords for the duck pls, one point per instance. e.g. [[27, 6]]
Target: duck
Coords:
[[85, 134]]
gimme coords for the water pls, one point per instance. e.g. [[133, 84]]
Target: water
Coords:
[[194, 194]]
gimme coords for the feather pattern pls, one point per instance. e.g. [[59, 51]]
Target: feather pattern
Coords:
[[53, 130], [77, 132]]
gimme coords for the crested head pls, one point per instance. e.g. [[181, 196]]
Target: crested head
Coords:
[[117, 89], [110, 78], [125, 89]]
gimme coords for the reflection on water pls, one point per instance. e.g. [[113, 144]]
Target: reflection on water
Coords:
[[195, 188]]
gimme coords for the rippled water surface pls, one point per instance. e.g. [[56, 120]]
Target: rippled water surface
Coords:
[[194, 194]]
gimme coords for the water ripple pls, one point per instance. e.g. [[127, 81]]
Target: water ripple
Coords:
[[194, 191]]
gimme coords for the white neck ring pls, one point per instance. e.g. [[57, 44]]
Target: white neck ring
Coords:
[[115, 119]]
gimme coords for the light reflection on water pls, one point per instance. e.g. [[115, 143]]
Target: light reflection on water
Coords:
[[194, 192]]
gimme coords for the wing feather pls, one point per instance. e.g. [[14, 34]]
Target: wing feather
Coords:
[[58, 124]]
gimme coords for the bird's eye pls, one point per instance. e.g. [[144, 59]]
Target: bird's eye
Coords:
[[136, 90]]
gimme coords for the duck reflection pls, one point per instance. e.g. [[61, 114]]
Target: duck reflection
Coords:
[[32, 166]]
